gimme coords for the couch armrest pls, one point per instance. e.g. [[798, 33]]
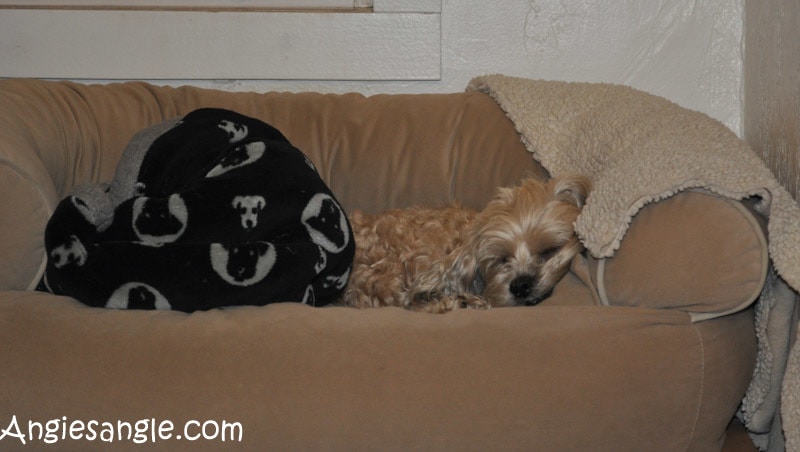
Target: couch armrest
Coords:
[[55, 136], [27, 184], [695, 251]]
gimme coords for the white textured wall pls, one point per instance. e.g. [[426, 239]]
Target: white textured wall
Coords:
[[688, 51]]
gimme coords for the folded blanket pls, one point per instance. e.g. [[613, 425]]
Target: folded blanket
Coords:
[[639, 148], [212, 209]]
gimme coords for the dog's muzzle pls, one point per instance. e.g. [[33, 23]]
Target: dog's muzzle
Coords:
[[521, 288]]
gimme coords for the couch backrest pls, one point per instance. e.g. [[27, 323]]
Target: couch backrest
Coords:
[[375, 152]]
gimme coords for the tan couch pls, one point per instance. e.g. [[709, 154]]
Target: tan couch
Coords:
[[618, 359]]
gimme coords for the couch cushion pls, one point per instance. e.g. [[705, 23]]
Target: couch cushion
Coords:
[[695, 251], [301, 378]]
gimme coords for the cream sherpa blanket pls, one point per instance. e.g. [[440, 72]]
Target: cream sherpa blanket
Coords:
[[639, 148]]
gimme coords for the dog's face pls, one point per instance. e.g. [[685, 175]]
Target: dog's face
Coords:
[[523, 242], [243, 261], [236, 132], [159, 221], [248, 208], [243, 265]]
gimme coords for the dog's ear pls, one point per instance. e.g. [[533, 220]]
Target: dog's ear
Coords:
[[461, 275], [456, 274], [572, 189], [504, 194]]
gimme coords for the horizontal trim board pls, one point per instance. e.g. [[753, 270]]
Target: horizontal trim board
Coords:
[[197, 4], [390, 6], [187, 45]]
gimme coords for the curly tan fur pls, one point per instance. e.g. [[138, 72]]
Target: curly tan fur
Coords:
[[439, 259]]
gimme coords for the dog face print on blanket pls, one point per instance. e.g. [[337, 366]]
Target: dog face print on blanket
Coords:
[[219, 209], [159, 220]]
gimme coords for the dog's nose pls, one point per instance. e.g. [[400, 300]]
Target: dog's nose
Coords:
[[522, 286]]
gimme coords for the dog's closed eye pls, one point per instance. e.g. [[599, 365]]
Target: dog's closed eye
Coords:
[[548, 253]]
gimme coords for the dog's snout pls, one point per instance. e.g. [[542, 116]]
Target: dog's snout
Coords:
[[522, 286]]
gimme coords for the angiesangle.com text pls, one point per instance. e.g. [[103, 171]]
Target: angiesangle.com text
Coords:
[[138, 432]]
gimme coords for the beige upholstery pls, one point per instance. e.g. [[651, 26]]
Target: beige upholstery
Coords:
[[673, 251], [571, 374]]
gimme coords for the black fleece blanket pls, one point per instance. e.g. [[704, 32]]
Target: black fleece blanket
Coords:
[[209, 210]]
